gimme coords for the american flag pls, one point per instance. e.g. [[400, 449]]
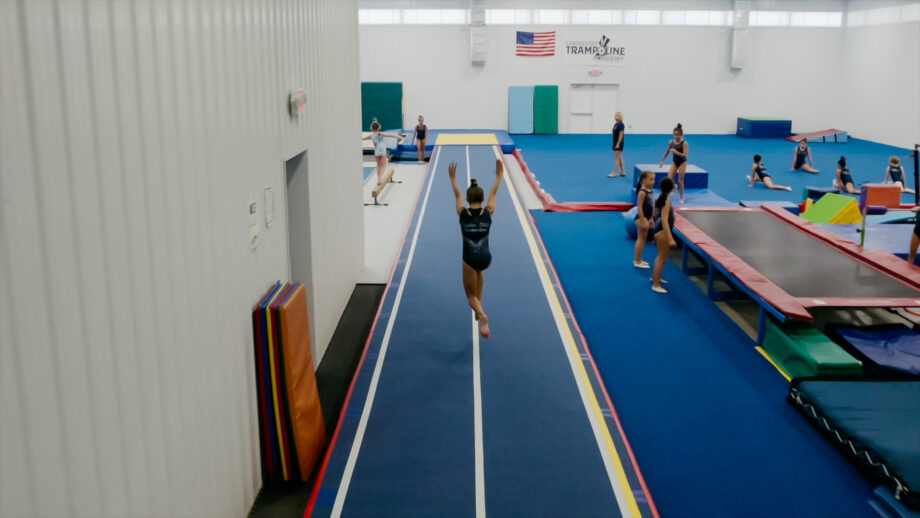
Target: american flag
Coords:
[[536, 43]]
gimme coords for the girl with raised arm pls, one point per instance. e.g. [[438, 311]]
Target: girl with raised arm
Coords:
[[475, 222], [380, 149], [679, 149]]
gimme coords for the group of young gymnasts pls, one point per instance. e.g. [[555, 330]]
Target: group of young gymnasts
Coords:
[[654, 219]]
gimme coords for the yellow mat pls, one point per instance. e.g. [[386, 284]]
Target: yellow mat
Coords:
[[466, 139]]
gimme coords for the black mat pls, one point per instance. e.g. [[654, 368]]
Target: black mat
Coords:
[[796, 262]]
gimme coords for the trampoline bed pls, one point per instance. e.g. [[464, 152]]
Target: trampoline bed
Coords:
[[791, 265], [874, 423]]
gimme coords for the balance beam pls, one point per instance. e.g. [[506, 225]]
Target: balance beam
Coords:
[[387, 180]]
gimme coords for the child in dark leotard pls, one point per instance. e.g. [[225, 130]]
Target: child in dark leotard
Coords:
[[679, 149], [619, 136], [664, 222], [419, 137], [644, 216], [803, 155], [759, 174], [380, 149], [844, 180], [475, 223], [895, 173]]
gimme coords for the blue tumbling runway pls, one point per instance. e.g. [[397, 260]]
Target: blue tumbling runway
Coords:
[[705, 412], [410, 441]]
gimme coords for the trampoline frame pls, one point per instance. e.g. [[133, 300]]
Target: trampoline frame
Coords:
[[774, 301]]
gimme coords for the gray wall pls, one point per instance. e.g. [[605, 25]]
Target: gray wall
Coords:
[[132, 135]]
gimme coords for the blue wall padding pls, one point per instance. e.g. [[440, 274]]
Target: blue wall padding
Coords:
[[520, 110]]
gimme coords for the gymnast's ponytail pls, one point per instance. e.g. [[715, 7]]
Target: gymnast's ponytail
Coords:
[[679, 129], [474, 193]]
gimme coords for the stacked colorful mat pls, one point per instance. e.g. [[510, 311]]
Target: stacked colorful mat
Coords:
[[291, 428]]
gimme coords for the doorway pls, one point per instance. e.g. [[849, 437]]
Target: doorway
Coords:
[[298, 213], [591, 107]]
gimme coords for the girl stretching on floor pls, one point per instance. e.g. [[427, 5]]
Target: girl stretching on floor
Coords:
[[759, 174], [644, 216], [679, 149], [803, 154], [662, 232], [475, 223], [844, 180], [419, 137], [380, 149], [895, 172]]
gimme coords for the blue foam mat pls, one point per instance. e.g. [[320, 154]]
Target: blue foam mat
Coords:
[[705, 413], [410, 149]]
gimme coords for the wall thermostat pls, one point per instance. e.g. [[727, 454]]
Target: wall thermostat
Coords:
[[297, 102]]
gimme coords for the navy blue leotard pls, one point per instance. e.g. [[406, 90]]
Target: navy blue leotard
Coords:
[[761, 171], [896, 174], [648, 207], [800, 156], [659, 221], [845, 177], [421, 132], [678, 160], [474, 226]]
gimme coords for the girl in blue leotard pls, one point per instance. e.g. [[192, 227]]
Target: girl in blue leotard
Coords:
[[420, 136], [679, 149], [844, 180], [475, 223], [895, 173], [803, 155], [664, 223], [380, 149], [759, 174], [644, 216]]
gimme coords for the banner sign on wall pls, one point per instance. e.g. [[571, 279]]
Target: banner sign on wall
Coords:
[[599, 52]]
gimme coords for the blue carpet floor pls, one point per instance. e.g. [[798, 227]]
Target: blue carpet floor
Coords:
[[705, 413], [369, 171], [575, 167]]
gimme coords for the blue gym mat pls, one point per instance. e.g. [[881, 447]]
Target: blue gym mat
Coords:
[[704, 411], [369, 171], [416, 455], [575, 167]]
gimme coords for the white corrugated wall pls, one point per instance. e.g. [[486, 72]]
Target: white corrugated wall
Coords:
[[132, 134]]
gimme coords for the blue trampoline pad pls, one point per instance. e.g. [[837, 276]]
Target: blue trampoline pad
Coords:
[[875, 423]]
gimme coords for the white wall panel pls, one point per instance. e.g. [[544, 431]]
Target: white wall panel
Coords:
[[131, 138], [880, 87], [674, 74]]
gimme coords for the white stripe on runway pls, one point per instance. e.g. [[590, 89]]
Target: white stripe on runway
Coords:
[[477, 404], [372, 390]]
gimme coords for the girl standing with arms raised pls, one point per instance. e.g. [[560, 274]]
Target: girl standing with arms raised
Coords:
[[475, 223], [679, 149]]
